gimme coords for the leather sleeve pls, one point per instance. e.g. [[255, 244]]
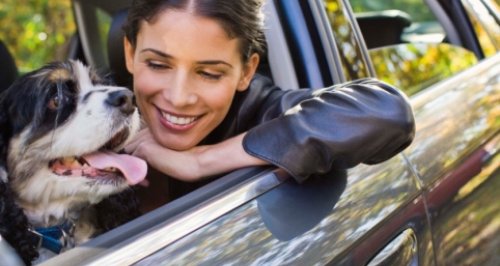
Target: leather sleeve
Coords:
[[309, 132]]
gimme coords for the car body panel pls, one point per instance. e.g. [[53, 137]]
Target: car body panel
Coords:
[[456, 119], [309, 223]]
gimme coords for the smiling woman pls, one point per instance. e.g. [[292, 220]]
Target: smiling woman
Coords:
[[38, 32]]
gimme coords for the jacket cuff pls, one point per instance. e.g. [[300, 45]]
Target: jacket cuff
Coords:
[[271, 143]]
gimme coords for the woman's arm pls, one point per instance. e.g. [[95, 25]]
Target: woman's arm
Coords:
[[304, 132], [311, 132], [196, 163]]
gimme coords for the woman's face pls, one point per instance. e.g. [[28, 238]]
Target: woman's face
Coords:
[[186, 71]]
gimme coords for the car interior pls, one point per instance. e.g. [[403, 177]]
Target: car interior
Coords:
[[116, 57], [393, 23], [9, 68]]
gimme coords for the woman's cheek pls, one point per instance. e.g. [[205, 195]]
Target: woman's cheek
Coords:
[[144, 84]]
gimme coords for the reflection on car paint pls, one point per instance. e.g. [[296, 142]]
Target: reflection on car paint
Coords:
[[466, 223], [318, 236], [449, 155]]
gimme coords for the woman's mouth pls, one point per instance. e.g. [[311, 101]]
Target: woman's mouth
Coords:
[[177, 122]]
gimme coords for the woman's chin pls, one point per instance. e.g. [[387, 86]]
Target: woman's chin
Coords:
[[176, 143]]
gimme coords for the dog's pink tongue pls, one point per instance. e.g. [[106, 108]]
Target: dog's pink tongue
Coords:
[[134, 169]]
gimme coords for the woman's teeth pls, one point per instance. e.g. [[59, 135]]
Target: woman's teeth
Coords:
[[178, 120]]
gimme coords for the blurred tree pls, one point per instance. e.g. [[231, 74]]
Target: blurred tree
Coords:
[[36, 31]]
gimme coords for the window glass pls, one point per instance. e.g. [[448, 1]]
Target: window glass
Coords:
[[406, 43], [413, 67], [485, 26], [103, 24], [36, 32], [354, 67], [401, 20]]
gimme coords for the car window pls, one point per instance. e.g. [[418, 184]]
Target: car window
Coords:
[[353, 64], [485, 26], [36, 33], [402, 21], [415, 66], [412, 51]]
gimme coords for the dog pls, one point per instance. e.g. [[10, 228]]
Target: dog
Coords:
[[61, 178]]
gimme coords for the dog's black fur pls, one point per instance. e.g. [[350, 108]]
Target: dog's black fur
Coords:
[[23, 105]]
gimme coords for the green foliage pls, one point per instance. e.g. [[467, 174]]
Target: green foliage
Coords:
[[36, 31]]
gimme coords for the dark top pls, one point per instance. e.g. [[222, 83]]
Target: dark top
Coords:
[[308, 132]]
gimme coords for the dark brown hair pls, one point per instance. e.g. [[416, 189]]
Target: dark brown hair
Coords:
[[240, 19]]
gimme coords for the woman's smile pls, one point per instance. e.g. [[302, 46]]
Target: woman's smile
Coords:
[[177, 122]]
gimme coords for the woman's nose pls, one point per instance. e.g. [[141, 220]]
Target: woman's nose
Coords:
[[180, 92]]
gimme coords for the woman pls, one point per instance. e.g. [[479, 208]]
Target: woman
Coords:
[[207, 113]]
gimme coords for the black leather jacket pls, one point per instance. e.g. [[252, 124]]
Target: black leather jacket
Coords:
[[309, 132]]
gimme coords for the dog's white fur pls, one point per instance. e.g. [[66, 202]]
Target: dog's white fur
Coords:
[[46, 197]]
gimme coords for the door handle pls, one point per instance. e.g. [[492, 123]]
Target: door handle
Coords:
[[402, 250]]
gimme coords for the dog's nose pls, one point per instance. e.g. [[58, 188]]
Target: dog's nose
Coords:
[[123, 100]]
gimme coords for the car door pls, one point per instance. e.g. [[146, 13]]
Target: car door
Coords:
[[449, 62]]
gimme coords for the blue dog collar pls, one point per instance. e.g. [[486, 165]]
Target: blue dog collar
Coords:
[[54, 238]]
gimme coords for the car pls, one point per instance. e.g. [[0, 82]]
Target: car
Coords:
[[435, 203]]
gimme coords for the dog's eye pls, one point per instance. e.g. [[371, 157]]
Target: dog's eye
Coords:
[[54, 103]]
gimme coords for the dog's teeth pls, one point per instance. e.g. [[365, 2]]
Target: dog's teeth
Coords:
[[68, 160]]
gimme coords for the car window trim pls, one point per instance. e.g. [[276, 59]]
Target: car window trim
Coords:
[[359, 39], [327, 41], [300, 43], [445, 22], [279, 57], [469, 36], [492, 10]]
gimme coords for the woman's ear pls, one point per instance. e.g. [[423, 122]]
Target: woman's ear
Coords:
[[129, 55], [248, 72]]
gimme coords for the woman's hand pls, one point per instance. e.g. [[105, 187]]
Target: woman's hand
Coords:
[[195, 163], [183, 165]]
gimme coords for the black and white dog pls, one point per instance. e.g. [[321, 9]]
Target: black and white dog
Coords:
[[60, 127]]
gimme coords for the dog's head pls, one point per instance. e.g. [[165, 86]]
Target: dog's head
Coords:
[[59, 127]]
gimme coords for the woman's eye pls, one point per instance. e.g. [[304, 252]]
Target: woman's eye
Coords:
[[210, 76], [155, 65]]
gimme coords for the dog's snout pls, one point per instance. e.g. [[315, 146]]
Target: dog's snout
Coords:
[[123, 100]]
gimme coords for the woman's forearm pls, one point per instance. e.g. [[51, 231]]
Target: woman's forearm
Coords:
[[224, 157]]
